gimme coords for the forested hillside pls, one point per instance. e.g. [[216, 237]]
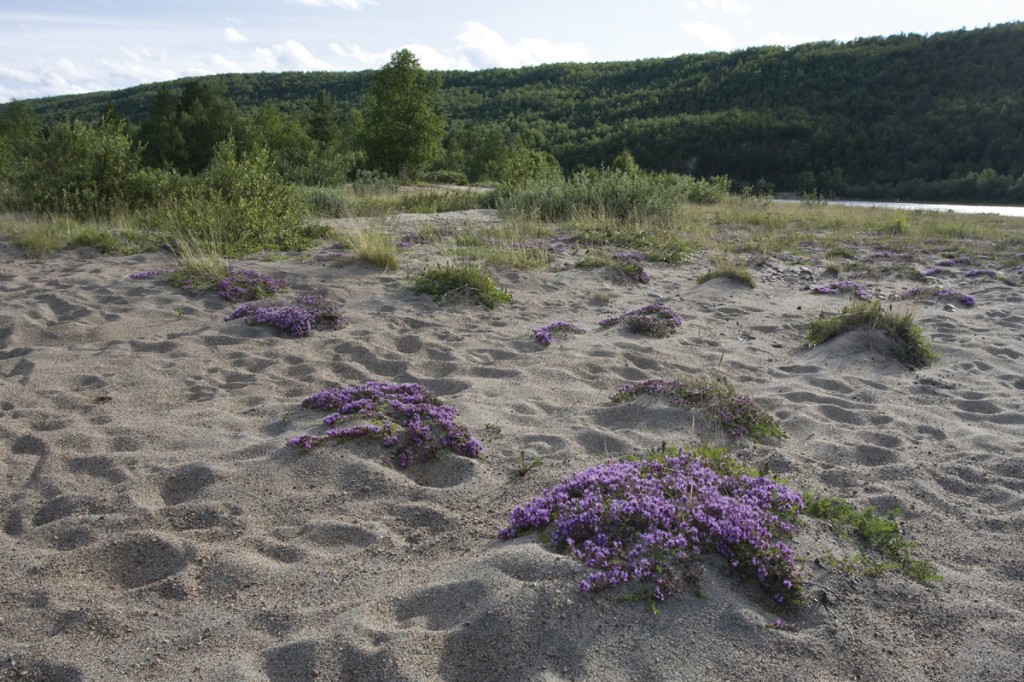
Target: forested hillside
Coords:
[[934, 118]]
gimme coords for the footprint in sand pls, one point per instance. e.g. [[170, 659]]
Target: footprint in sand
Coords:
[[139, 559], [443, 607], [186, 483]]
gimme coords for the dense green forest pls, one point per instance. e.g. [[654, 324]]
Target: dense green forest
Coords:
[[937, 117]]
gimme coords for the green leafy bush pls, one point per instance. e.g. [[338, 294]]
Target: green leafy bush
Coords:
[[238, 205]]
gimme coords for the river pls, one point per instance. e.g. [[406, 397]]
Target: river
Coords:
[[1013, 211]]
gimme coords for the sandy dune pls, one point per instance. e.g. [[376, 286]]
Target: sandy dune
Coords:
[[156, 527]]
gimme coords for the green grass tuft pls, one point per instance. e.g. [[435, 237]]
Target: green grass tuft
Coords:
[[733, 272], [911, 347], [375, 247], [444, 280]]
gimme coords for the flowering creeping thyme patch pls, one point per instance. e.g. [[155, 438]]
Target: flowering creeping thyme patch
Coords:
[[842, 285], [981, 273], [235, 285], [654, 319], [648, 522], [738, 414], [389, 412], [248, 285], [931, 272], [950, 262], [546, 335], [631, 264], [298, 317], [917, 292], [892, 255]]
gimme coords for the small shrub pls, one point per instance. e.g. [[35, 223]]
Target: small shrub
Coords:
[[739, 415], [374, 182], [654, 319], [911, 346], [299, 317], [238, 205], [648, 522], [444, 280], [389, 411]]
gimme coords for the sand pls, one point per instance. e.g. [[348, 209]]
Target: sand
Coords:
[[156, 527]]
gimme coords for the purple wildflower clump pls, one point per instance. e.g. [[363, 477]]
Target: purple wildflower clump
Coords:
[[546, 335], [930, 272], [918, 292], [950, 262], [654, 319], [391, 410], [739, 415], [147, 274], [842, 285], [298, 317], [248, 285], [649, 522], [630, 264], [981, 273], [893, 255]]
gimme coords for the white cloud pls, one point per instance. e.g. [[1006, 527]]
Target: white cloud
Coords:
[[432, 60], [19, 76], [347, 4], [483, 48], [360, 55], [223, 63], [290, 56], [233, 35], [714, 37], [137, 72]]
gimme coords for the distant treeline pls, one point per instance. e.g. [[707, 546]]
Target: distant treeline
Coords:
[[937, 117]]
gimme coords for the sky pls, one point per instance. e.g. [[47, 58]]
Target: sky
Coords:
[[58, 47]]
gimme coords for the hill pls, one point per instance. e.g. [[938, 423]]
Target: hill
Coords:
[[937, 117]]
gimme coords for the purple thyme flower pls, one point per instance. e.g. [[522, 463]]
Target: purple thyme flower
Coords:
[[248, 285], [650, 522], [917, 292], [654, 319], [842, 285], [391, 410], [298, 317], [981, 273], [545, 335]]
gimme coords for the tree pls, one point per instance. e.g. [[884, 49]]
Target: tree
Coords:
[[322, 120], [162, 143], [403, 128]]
